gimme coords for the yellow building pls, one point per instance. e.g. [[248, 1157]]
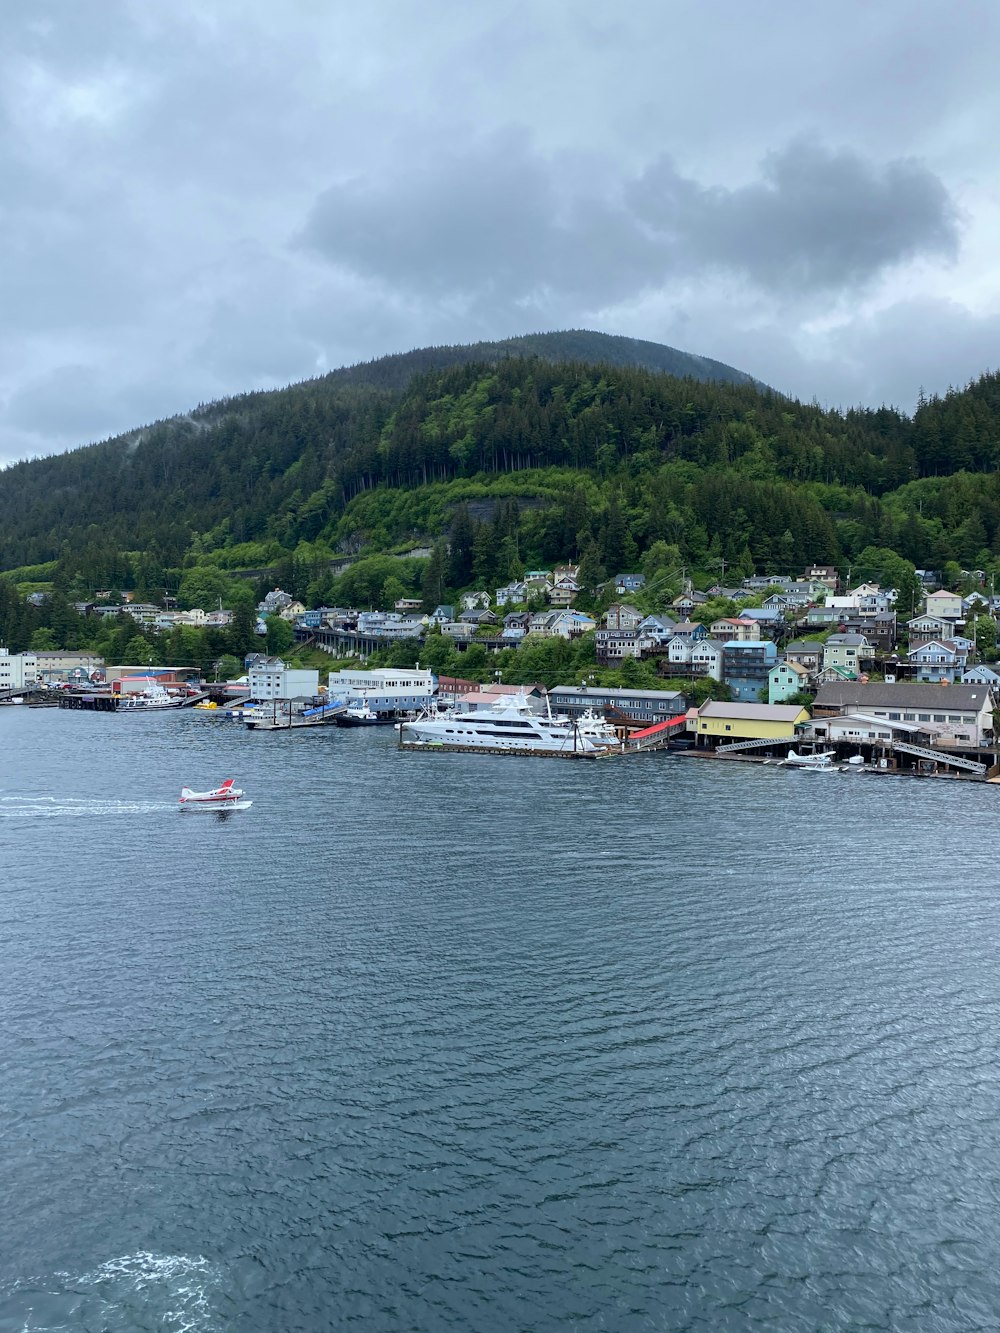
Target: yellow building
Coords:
[[717, 722]]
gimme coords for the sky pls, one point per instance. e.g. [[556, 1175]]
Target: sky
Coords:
[[201, 199]]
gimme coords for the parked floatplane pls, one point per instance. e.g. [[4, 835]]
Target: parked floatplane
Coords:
[[821, 760]]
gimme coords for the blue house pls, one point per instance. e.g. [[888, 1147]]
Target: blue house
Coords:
[[746, 666], [630, 582]]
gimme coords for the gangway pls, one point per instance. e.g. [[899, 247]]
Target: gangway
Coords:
[[766, 743], [651, 738], [922, 752], [330, 708]]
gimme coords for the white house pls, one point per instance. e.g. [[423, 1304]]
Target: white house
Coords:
[[947, 605]]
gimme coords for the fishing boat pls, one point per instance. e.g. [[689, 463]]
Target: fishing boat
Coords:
[[228, 794], [357, 716]]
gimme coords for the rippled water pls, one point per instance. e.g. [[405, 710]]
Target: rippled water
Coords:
[[462, 1042]]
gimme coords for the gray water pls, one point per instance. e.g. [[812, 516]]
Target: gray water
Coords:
[[447, 1042]]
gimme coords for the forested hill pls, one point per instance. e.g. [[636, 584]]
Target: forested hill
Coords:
[[604, 459], [581, 345]]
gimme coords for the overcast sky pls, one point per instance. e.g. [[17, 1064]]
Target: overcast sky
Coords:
[[203, 198]]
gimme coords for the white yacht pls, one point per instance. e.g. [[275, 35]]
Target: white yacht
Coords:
[[512, 724]]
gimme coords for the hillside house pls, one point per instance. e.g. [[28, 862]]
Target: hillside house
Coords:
[[785, 679], [938, 660], [626, 583], [731, 628], [746, 666], [511, 594], [620, 615], [807, 653], [612, 646], [851, 653], [946, 605], [923, 628]]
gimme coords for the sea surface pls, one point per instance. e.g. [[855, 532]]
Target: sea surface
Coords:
[[462, 1042]]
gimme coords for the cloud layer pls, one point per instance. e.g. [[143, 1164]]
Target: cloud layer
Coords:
[[201, 200]]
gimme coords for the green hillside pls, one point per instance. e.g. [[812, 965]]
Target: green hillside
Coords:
[[501, 462]]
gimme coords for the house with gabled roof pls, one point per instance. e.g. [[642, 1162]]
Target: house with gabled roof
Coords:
[[785, 679], [947, 605], [847, 652], [731, 628], [938, 660], [620, 615]]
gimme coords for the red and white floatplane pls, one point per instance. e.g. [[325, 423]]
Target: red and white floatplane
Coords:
[[227, 796]]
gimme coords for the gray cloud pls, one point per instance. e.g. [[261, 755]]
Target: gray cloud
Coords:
[[199, 200], [498, 223], [817, 218]]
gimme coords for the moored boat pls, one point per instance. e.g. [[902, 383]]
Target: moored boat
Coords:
[[514, 726]]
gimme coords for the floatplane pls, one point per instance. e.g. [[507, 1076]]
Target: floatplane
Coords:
[[226, 796], [821, 760]]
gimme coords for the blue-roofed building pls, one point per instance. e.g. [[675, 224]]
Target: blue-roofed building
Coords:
[[746, 666]]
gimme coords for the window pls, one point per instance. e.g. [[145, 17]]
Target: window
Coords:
[[923, 717], [728, 727]]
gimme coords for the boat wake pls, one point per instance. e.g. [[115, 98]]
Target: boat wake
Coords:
[[170, 1292], [51, 807]]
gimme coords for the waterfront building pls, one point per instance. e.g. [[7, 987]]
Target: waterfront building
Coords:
[[389, 690], [963, 713], [59, 664], [17, 670], [270, 678], [716, 722], [639, 706]]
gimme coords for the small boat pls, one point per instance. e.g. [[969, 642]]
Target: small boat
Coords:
[[821, 760], [357, 717], [227, 794]]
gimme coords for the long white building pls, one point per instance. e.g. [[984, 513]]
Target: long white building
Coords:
[[389, 690], [17, 670]]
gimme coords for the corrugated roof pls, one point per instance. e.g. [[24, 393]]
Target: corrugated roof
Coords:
[[969, 698], [753, 712]]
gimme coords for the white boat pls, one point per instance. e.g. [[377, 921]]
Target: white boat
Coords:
[[154, 696], [822, 760], [228, 794], [512, 724]]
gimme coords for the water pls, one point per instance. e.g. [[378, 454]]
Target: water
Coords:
[[448, 1042]]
